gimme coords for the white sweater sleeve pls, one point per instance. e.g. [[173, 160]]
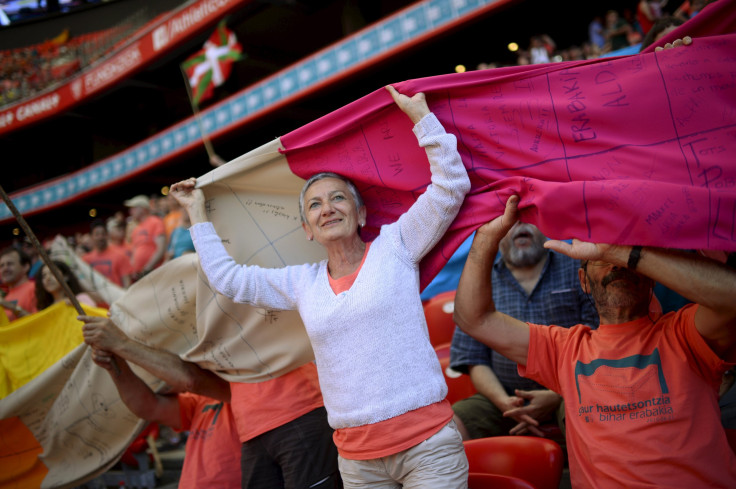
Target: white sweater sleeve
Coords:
[[264, 287], [424, 224]]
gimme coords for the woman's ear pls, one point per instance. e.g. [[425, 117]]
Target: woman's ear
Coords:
[[362, 212], [307, 231]]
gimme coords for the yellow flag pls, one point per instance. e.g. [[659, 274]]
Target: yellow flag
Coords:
[[31, 344]]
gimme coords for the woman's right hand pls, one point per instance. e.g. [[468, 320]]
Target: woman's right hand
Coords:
[[415, 107], [190, 198]]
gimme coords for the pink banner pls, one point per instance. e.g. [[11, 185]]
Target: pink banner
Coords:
[[633, 150]]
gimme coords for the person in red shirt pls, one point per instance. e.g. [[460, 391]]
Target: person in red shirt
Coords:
[[647, 13], [21, 297], [148, 239], [116, 235], [110, 262], [281, 436], [172, 219], [212, 451]]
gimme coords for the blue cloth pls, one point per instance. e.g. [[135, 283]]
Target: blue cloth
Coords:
[[181, 242], [35, 268], [449, 276], [556, 299], [628, 50], [670, 300]]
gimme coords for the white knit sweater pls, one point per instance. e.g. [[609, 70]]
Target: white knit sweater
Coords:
[[371, 344]]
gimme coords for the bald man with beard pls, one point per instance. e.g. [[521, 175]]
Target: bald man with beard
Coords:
[[537, 285]]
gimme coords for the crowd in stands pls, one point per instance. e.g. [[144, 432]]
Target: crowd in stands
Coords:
[[123, 248], [501, 326], [611, 33], [28, 71], [23, 10]]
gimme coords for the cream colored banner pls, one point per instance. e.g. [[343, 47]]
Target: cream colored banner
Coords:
[[73, 409]]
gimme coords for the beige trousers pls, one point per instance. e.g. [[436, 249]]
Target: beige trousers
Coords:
[[437, 462]]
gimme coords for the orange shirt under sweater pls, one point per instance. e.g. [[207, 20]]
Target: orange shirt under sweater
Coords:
[[393, 435]]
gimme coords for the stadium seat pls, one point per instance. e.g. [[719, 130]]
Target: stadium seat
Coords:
[[459, 386], [438, 312], [443, 350], [135, 464], [496, 481], [536, 460]]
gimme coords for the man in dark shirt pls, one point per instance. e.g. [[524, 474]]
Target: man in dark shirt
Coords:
[[539, 286]]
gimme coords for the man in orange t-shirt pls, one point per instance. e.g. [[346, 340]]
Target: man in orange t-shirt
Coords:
[[110, 262], [282, 438], [148, 239], [172, 217], [641, 391], [116, 236], [21, 297]]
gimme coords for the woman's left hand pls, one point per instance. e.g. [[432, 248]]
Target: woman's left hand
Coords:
[[415, 107], [191, 199]]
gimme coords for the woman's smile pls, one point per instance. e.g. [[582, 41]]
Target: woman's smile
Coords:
[[331, 212]]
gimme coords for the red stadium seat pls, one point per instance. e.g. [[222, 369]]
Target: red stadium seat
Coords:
[[459, 386], [536, 460], [140, 445], [438, 312], [495, 481], [443, 350]]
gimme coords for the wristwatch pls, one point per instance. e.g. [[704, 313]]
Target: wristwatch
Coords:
[[634, 257]]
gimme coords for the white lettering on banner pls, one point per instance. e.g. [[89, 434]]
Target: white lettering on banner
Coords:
[[77, 88], [112, 69], [160, 37], [31, 109], [6, 119], [187, 20]]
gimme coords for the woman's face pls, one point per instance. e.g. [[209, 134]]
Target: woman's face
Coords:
[[330, 211], [49, 281]]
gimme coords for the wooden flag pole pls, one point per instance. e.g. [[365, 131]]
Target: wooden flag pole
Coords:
[[47, 261], [195, 109]]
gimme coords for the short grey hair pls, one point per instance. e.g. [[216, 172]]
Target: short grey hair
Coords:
[[328, 174]]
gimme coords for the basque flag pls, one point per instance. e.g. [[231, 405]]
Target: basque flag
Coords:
[[210, 67]]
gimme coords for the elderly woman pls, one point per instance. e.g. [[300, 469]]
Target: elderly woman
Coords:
[[382, 384]]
